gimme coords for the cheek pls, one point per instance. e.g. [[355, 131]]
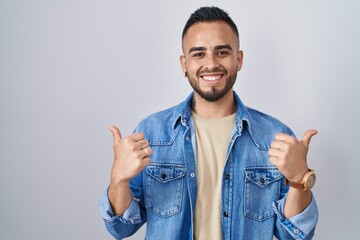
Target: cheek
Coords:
[[193, 67]]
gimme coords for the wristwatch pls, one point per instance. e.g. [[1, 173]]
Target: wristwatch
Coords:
[[306, 183]]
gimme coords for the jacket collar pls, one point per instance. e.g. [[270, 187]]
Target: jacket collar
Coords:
[[183, 112]]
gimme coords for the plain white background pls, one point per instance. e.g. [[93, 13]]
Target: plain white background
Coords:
[[70, 68]]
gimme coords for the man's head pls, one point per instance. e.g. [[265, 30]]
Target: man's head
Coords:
[[210, 14], [211, 56]]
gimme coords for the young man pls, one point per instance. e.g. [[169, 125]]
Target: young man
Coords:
[[210, 167]]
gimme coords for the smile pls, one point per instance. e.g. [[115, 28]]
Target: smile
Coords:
[[212, 77]]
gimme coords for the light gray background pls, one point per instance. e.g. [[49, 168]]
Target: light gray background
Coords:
[[70, 68]]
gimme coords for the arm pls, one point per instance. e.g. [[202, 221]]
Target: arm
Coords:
[[290, 156], [131, 156], [117, 206], [300, 226]]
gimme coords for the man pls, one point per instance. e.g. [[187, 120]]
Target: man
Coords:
[[210, 167]]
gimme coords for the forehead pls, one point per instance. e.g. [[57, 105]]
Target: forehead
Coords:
[[209, 35]]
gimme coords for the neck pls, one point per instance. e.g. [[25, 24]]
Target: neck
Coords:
[[221, 108]]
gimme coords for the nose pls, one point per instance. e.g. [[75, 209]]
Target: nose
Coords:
[[211, 62]]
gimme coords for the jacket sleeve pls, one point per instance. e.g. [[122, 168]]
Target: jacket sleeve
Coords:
[[121, 226], [300, 226]]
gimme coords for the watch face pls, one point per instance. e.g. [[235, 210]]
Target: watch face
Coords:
[[311, 181]]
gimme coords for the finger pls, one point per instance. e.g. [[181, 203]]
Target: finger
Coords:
[[277, 145], [146, 161], [284, 137], [143, 143], [274, 160], [273, 152], [307, 136], [146, 152], [116, 133], [136, 137]]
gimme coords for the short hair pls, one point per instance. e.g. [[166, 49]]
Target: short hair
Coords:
[[209, 14]]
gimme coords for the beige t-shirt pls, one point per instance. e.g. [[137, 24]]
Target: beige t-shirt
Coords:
[[213, 136]]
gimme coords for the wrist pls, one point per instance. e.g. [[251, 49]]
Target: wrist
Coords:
[[306, 183], [299, 176], [119, 183]]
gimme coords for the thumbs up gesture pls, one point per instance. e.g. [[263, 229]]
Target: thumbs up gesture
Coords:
[[289, 154], [131, 155]]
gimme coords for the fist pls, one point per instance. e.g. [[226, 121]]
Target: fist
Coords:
[[131, 155], [289, 155]]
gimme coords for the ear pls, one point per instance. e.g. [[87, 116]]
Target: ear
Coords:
[[183, 63], [239, 58]]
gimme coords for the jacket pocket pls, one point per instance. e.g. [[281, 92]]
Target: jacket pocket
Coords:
[[262, 188], [164, 188]]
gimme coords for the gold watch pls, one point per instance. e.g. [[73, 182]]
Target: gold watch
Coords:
[[306, 183]]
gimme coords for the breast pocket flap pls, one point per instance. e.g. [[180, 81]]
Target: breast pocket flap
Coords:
[[262, 176], [165, 173]]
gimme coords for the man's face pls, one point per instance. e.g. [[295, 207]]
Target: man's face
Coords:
[[211, 59]]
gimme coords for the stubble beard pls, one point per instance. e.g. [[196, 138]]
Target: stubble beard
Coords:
[[213, 94]]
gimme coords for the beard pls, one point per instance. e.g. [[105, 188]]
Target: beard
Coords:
[[213, 94]]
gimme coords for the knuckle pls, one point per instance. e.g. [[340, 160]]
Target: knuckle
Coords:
[[287, 146], [280, 165], [146, 162], [133, 147], [138, 165], [127, 141], [137, 155]]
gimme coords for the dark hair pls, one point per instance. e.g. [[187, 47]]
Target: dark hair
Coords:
[[209, 14]]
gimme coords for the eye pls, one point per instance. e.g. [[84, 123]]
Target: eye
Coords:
[[199, 54], [222, 53]]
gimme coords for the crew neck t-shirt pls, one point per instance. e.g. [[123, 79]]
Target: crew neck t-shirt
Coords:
[[213, 136]]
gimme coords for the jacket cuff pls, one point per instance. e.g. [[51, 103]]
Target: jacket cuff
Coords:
[[130, 216], [302, 225]]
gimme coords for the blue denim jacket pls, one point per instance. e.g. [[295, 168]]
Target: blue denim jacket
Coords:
[[253, 190]]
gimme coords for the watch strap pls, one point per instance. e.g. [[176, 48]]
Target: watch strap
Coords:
[[294, 184], [301, 185]]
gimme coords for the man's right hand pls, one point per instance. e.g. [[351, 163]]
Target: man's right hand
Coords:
[[131, 156]]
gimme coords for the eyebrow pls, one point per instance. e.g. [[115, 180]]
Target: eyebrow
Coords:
[[219, 47], [226, 46], [194, 49]]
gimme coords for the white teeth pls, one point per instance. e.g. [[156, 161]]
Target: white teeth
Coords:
[[211, 78]]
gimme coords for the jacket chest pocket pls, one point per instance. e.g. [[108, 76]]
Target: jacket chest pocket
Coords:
[[164, 188], [262, 188]]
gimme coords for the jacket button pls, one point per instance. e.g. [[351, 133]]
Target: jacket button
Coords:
[[163, 176], [227, 176], [225, 214], [262, 180]]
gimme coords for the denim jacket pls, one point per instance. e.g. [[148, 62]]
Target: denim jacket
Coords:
[[253, 190]]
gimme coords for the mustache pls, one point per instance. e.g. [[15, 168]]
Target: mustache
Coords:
[[213, 70]]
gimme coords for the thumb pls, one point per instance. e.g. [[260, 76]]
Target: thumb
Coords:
[[307, 136], [116, 133]]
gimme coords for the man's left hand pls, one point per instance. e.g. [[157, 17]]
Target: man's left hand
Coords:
[[289, 155]]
